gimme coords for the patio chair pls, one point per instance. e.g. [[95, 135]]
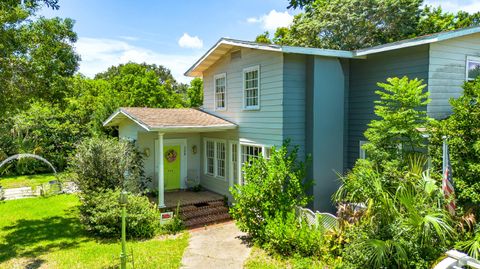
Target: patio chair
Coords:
[[327, 220]]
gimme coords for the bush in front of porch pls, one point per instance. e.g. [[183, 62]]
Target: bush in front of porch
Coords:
[[102, 167], [265, 205]]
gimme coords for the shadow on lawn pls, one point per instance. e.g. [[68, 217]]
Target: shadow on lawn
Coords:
[[31, 238]]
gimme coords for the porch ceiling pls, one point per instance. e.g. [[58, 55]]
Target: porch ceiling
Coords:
[[170, 119]]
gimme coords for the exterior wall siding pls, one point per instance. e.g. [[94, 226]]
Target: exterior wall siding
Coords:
[[365, 74], [325, 126], [294, 91], [218, 185], [447, 71], [263, 126]]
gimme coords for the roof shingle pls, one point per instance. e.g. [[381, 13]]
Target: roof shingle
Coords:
[[155, 118]]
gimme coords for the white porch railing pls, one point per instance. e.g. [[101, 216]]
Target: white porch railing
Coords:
[[456, 260], [315, 219]]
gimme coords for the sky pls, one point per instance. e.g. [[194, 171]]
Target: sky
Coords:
[[175, 33]]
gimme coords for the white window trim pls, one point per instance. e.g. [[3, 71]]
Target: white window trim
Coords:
[[362, 153], [230, 163], [215, 159], [240, 147], [245, 70], [217, 76], [470, 59]]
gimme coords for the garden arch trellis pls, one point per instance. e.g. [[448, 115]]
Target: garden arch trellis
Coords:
[[27, 155]]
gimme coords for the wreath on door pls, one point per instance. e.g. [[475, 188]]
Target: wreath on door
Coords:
[[171, 155]]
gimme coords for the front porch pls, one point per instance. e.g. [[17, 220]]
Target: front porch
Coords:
[[174, 147]]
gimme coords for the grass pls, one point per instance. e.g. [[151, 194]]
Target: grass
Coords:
[[46, 233], [25, 181], [260, 259]]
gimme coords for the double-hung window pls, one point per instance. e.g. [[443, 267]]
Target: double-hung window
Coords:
[[210, 157], [234, 164], [249, 152], [473, 68], [251, 88], [215, 157], [220, 82]]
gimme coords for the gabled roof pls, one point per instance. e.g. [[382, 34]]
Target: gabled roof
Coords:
[[421, 40], [169, 119], [225, 45]]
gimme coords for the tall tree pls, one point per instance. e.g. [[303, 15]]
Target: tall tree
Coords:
[[36, 54], [195, 93], [143, 85], [355, 24]]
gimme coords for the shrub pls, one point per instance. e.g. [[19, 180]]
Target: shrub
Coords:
[[462, 130], [107, 163], [288, 236], [101, 215], [272, 187], [406, 226]]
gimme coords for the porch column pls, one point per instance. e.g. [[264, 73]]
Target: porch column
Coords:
[[161, 188]]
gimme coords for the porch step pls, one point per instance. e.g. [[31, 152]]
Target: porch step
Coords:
[[204, 213], [196, 207], [205, 220]]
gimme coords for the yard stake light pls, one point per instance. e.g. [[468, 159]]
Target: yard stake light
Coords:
[[123, 256]]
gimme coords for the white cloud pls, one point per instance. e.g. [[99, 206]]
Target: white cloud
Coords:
[[187, 41], [99, 54], [272, 20], [470, 6]]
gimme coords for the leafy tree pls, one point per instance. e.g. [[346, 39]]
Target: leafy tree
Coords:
[[463, 133], [36, 54], [45, 130], [402, 115], [195, 93], [140, 85], [434, 20], [355, 24], [263, 38]]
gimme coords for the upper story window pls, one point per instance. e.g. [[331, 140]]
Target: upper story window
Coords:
[[473, 68], [220, 91], [251, 88]]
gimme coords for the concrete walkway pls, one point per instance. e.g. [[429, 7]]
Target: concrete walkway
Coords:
[[218, 246]]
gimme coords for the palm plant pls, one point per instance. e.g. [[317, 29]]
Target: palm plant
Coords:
[[402, 224]]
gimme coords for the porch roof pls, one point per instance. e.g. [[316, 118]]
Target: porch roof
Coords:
[[170, 119]]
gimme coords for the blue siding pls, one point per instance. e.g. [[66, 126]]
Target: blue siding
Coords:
[[448, 71], [364, 76], [294, 83]]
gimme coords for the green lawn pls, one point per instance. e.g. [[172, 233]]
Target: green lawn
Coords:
[[25, 181], [46, 233], [260, 259]]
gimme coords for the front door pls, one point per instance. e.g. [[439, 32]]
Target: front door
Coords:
[[172, 166]]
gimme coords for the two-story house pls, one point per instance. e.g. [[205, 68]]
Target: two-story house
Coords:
[[258, 95]]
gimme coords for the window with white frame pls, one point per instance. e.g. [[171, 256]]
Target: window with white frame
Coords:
[[221, 156], [215, 157], [248, 152], [220, 91], [473, 68], [363, 154], [251, 88], [209, 157], [234, 162]]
